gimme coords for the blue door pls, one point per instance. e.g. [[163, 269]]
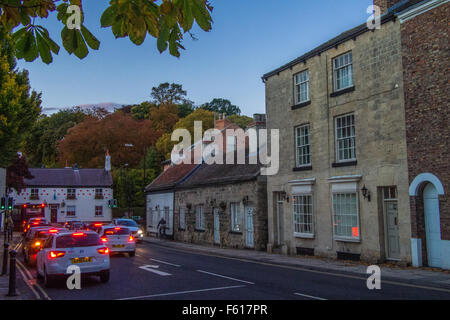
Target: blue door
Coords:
[[432, 225]]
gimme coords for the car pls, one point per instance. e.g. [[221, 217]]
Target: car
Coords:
[[34, 240], [81, 248], [118, 239], [69, 224], [35, 222], [137, 232], [78, 225], [96, 226]]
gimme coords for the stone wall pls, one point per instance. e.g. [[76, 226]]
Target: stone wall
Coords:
[[378, 105], [211, 197]]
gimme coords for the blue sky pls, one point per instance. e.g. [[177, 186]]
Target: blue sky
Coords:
[[249, 38]]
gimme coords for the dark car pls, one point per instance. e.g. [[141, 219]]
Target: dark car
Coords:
[[96, 226], [35, 222], [34, 240]]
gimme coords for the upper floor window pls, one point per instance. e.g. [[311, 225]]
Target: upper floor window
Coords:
[[199, 218], [99, 193], [182, 218], [236, 217], [301, 87], [345, 138], [302, 146], [343, 71], [71, 193], [34, 195]]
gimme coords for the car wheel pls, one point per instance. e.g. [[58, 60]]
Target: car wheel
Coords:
[[48, 280], [132, 253], [104, 276]]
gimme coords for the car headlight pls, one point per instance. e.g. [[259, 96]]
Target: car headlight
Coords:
[[140, 231]]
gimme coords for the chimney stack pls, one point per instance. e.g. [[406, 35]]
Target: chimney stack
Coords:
[[222, 122], [107, 161]]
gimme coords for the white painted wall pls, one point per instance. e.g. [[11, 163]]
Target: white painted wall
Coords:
[[155, 201], [84, 203]]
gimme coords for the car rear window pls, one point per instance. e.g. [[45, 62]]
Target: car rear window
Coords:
[[71, 241], [116, 231], [128, 223]]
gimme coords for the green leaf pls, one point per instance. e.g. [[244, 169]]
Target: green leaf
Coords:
[[108, 16], [119, 28], [201, 14], [188, 18], [91, 40], [67, 37], [30, 49], [54, 47], [81, 51], [44, 49], [163, 37]]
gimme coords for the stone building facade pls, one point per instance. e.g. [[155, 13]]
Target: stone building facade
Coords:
[[219, 201], [342, 187], [426, 64]]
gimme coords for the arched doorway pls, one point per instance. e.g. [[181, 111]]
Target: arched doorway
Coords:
[[432, 225]]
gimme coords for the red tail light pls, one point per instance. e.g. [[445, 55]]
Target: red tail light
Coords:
[[53, 231], [104, 239], [97, 225], [56, 254], [78, 234], [104, 250], [131, 239], [117, 228]]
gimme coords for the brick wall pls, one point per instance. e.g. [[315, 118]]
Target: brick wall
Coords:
[[385, 4], [426, 64]]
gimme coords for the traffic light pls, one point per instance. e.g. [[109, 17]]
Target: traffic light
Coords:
[[3, 203], [114, 203], [109, 203], [10, 203]]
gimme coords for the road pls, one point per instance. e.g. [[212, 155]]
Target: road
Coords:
[[158, 272]]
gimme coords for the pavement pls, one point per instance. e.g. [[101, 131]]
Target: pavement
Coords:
[[432, 277], [22, 289]]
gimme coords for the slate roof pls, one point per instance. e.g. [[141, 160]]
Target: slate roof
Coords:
[[68, 177], [345, 36], [171, 177]]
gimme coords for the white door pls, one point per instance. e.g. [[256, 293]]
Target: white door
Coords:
[[249, 241], [432, 225], [279, 227], [393, 240], [216, 226]]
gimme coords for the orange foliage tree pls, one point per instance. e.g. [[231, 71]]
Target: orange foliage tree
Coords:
[[87, 142]]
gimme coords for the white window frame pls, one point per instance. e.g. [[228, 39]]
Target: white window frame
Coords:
[[348, 139], [182, 218], [98, 193], [301, 86], [74, 210], [236, 217], [199, 217], [351, 237], [34, 195], [70, 193], [296, 204], [300, 151], [343, 64], [95, 213]]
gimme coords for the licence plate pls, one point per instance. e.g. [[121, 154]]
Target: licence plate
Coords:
[[118, 245], [82, 260]]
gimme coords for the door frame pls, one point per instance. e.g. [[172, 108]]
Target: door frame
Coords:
[[246, 227], [427, 221], [217, 238]]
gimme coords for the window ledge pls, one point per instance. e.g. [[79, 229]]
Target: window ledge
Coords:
[[342, 91], [304, 235], [305, 168], [199, 230], [235, 232], [344, 164], [347, 240], [301, 105]]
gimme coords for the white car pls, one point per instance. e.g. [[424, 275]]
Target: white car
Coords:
[[83, 249], [136, 231], [118, 239]]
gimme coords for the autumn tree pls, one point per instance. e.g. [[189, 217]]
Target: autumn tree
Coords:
[[87, 142], [19, 105], [242, 121], [167, 21], [164, 117], [166, 93], [164, 144]]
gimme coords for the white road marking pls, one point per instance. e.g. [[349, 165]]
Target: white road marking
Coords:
[[181, 292], [225, 277], [36, 284], [152, 268], [27, 282], [308, 296], [164, 262]]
